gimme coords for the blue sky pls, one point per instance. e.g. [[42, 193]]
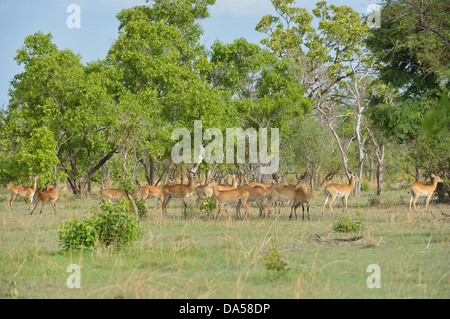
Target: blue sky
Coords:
[[229, 20]]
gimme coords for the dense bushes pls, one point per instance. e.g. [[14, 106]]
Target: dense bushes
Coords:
[[115, 225], [347, 224]]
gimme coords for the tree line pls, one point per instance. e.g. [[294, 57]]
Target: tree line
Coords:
[[344, 97]]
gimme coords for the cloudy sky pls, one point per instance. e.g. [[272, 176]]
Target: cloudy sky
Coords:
[[229, 20]]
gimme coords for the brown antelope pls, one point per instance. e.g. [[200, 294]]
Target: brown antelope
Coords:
[[115, 195], [179, 191], [47, 195], [258, 195], [21, 191], [268, 193], [264, 185], [284, 194], [419, 189], [255, 194], [340, 190], [302, 195], [151, 191], [206, 191], [226, 187], [233, 196]]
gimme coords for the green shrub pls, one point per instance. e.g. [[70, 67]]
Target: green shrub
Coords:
[[142, 209], [115, 225], [78, 233], [208, 205], [347, 224], [365, 186], [274, 261]]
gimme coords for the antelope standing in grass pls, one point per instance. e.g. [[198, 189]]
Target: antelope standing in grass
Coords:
[[179, 191], [151, 191], [256, 194], [340, 190], [284, 194], [47, 195], [419, 189], [20, 191], [259, 194], [226, 197], [206, 191], [303, 196]]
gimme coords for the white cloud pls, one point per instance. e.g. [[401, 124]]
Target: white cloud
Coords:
[[241, 8]]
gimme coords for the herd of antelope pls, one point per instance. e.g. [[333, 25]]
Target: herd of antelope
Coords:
[[238, 193]]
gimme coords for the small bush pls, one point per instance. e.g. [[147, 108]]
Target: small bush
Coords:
[[115, 225], [347, 224], [274, 261], [142, 209], [208, 205], [365, 187]]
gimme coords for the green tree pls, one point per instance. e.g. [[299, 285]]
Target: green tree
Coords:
[[161, 62], [58, 116], [412, 44], [328, 60]]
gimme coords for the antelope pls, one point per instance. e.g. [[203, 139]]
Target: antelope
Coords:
[[233, 196], [23, 192], [152, 191], [204, 190], [47, 195], [302, 195], [114, 195], [179, 191], [283, 194], [258, 194], [340, 190], [280, 180], [264, 185], [418, 189], [226, 187]]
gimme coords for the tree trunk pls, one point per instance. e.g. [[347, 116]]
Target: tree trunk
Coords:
[[152, 171], [379, 177], [79, 184]]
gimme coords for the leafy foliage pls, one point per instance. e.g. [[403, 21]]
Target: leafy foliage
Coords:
[[347, 224], [208, 205], [275, 262], [115, 226]]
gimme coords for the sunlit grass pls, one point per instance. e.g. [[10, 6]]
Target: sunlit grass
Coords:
[[199, 258]]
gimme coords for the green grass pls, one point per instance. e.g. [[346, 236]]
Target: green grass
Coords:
[[199, 258]]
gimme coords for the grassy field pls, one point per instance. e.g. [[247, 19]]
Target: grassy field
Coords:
[[199, 258]]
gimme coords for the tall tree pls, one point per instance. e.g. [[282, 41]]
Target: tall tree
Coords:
[[324, 59], [159, 55], [59, 108]]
